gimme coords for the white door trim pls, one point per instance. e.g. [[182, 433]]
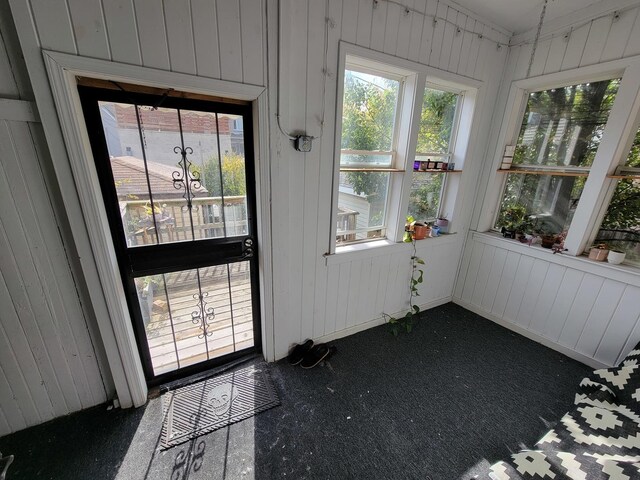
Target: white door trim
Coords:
[[63, 69]]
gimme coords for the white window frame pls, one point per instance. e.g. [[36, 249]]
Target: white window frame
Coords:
[[416, 76], [612, 152]]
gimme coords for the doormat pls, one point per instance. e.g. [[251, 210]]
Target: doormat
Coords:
[[214, 403]]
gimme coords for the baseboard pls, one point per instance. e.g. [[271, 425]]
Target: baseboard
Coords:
[[376, 322], [592, 362]]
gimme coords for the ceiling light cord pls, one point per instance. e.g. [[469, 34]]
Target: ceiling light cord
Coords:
[[535, 41]]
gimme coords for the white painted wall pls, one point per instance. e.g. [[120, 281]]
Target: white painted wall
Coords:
[[590, 312], [48, 363], [237, 40]]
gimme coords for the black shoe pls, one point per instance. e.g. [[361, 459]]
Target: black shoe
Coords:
[[297, 353], [316, 355]]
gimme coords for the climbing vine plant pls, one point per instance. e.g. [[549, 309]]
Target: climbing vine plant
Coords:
[[407, 321]]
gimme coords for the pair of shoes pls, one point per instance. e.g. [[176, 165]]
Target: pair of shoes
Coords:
[[309, 355], [317, 354]]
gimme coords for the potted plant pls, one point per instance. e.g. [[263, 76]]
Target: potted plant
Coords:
[[599, 252], [547, 236], [417, 230], [443, 223], [511, 219], [616, 257]]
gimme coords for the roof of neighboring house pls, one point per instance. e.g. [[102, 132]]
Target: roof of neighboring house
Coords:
[[131, 181]]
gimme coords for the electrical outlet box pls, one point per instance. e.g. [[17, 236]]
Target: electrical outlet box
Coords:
[[302, 143]]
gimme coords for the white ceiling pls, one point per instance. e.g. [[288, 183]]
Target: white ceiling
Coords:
[[518, 16]]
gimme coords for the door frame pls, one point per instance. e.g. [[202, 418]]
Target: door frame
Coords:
[[116, 329]]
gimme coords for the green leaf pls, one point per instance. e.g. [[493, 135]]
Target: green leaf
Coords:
[[416, 308], [409, 327], [419, 260]]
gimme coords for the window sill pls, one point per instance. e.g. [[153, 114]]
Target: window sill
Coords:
[[376, 248], [624, 273]]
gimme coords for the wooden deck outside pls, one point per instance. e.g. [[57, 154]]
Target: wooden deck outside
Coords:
[[174, 329]]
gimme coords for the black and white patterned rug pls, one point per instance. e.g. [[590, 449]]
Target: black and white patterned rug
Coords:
[[216, 402], [598, 439]]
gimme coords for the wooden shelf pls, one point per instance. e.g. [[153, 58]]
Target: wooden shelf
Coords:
[[547, 172], [437, 170], [624, 176]]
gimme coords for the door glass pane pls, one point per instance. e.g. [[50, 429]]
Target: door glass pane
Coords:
[[191, 196], [362, 201], [195, 315], [563, 126]]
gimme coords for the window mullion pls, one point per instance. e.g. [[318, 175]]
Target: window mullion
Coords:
[[613, 147], [407, 141]]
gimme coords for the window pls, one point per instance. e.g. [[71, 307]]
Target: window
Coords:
[[559, 136], [434, 147], [620, 228], [389, 109], [368, 153]]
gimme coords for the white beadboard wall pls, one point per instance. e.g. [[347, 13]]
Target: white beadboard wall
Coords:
[[590, 314], [48, 364]]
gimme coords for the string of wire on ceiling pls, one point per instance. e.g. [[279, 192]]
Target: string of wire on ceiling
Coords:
[[436, 19], [615, 16], [303, 142], [535, 41]]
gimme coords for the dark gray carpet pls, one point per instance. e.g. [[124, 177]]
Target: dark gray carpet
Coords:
[[455, 395]]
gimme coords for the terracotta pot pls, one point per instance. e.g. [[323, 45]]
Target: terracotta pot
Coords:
[[420, 232], [548, 241], [598, 254]]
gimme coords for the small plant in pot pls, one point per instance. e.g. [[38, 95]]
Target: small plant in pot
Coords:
[[547, 235], [511, 219], [599, 252], [616, 257], [417, 230]]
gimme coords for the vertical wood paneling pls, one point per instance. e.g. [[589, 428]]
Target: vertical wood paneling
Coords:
[[547, 297], [582, 305], [251, 14], [8, 86], [54, 26], [446, 53], [342, 300], [427, 31], [597, 321], [556, 54], [506, 282], [404, 31], [472, 272], [331, 304], [493, 280], [122, 31], [229, 39], [596, 41], [378, 25], [525, 264], [532, 292], [619, 36], [350, 17], [391, 28], [575, 47], [205, 37], [363, 28], [182, 55], [438, 34], [415, 37], [483, 274], [618, 333], [540, 57], [152, 33], [633, 44], [89, 28], [570, 285]]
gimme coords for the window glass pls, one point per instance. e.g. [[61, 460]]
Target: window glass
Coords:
[[539, 203], [368, 112], [620, 228], [436, 121], [424, 199], [362, 201], [564, 126]]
